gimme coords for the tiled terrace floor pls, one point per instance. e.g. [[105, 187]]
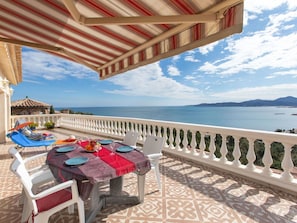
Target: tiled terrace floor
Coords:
[[190, 193]]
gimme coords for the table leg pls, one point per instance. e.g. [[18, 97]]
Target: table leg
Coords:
[[96, 203], [116, 195], [116, 186], [140, 185]]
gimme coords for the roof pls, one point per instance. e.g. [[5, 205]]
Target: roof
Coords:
[[114, 36], [28, 103]]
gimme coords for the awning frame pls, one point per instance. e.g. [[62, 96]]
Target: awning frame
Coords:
[[214, 15]]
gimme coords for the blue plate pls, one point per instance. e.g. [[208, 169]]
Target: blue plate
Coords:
[[76, 161], [105, 142], [65, 149], [125, 149]]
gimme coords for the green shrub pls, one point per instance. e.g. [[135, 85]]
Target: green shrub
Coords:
[[33, 126], [49, 125]]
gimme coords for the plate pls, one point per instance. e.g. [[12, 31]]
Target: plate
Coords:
[[76, 161], [65, 149], [105, 142], [125, 149]]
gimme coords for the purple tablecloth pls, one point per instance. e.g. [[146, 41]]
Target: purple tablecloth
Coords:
[[93, 171]]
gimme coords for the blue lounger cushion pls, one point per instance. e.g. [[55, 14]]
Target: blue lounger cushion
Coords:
[[21, 140]]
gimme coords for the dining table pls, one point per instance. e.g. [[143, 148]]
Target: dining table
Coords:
[[109, 162]]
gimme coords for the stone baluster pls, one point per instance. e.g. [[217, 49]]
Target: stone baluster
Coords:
[[99, 125], [117, 128], [93, 126], [108, 126], [88, 125], [130, 126], [194, 143], [267, 159], [137, 127], [177, 140], [144, 132], [159, 132], [202, 145], [171, 146], [287, 163], [212, 146], [185, 142], [224, 149], [152, 130], [113, 127], [251, 156], [236, 152]]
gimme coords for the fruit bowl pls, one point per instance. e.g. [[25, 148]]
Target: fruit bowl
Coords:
[[91, 146]]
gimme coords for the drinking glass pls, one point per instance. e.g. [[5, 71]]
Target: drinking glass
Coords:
[[112, 148]]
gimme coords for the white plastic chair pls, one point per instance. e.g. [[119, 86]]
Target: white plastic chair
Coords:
[[130, 138], [39, 207], [42, 174], [152, 147]]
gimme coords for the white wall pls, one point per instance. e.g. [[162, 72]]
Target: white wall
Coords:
[[5, 94]]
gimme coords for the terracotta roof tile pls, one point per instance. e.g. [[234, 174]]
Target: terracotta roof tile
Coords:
[[27, 102]]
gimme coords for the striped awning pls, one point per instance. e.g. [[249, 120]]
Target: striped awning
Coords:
[[114, 36]]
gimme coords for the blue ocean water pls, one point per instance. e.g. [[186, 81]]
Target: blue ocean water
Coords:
[[257, 118]]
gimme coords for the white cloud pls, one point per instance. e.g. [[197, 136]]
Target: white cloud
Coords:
[[267, 48], [253, 9], [173, 71], [265, 92], [259, 6], [175, 58], [292, 73], [191, 52], [37, 64], [191, 58], [207, 48], [190, 77], [150, 81]]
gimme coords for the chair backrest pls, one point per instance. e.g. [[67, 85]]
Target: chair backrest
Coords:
[[19, 169], [130, 138], [19, 122], [153, 144], [15, 153]]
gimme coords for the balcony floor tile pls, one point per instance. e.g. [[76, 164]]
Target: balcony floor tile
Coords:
[[190, 193]]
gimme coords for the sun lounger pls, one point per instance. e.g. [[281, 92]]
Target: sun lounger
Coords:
[[23, 141]]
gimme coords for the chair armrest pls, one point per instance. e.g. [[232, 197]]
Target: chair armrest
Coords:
[[154, 156], [37, 168], [139, 148], [54, 189], [42, 176], [31, 158]]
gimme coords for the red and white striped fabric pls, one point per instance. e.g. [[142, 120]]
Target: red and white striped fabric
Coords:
[[113, 36]]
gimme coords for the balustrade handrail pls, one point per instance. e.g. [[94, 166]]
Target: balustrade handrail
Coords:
[[220, 147]]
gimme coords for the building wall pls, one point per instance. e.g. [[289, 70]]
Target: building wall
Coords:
[[29, 111], [5, 94]]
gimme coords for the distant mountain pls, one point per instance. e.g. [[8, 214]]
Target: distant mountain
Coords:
[[286, 101]]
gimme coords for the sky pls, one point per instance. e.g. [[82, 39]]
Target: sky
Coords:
[[259, 63]]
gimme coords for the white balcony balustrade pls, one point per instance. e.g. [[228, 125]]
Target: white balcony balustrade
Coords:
[[230, 149]]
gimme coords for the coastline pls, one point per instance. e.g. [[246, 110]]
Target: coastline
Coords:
[[265, 118]]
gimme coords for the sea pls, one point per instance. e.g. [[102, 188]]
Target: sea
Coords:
[[256, 118]]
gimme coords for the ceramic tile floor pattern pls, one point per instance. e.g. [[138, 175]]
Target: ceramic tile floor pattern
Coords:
[[190, 193]]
